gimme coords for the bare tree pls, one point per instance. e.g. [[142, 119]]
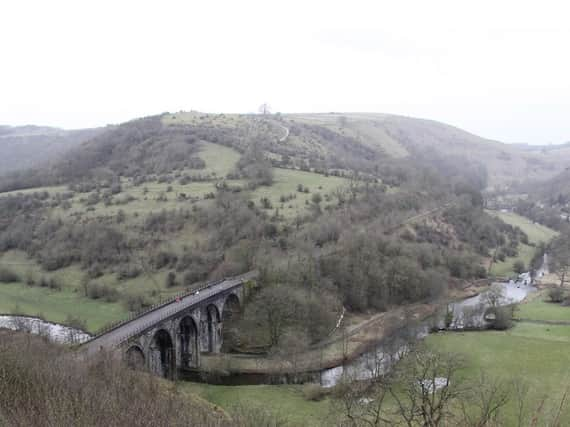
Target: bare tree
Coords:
[[560, 257], [264, 109], [493, 296], [292, 348], [427, 385], [482, 402]]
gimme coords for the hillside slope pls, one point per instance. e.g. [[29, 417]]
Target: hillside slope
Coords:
[[400, 137], [23, 147], [316, 202], [373, 144]]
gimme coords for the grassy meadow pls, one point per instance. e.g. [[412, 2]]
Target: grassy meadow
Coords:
[[285, 184], [538, 308], [537, 234], [535, 354], [56, 306], [285, 401]]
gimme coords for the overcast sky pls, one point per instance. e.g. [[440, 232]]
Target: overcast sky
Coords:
[[500, 69]]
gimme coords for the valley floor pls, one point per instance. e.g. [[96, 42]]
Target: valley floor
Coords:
[[534, 353]]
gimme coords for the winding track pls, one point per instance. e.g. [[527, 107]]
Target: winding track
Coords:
[[284, 137]]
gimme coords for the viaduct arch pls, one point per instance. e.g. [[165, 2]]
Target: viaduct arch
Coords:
[[172, 336]]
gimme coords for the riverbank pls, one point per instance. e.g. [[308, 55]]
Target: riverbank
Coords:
[[344, 346], [58, 306], [53, 331], [534, 354], [359, 335]]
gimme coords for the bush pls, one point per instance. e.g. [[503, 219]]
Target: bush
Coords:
[[266, 203], [30, 281], [503, 318], [556, 295], [8, 276], [136, 302], [128, 271], [165, 259], [519, 267], [102, 291], [94, 271], [171, 280], [54, 284], [314, 392]]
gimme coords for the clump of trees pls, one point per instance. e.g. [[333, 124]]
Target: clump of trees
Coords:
[[559, 257], [484, 232], [285, 310], [254, 166], [376, 272]]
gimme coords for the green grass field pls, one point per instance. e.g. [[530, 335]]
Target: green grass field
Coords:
[[505, 268], [285, 400], [539, 309], [534, 353], [537, 233], [285, 183], [55, 306], [219, 159]]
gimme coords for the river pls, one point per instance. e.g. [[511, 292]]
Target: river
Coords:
[[466, 313], [55, 332], [370, 364]]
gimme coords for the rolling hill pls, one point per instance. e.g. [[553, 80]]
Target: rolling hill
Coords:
[[23, 147], [369, 143], [400, 137], [146, 208]]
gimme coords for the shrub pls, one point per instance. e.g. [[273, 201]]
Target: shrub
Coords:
[[266, 203], [136, 302], [171, 280], [94, 271], [92, 199], [314, 392], [102, 291], [128, 271], [165, 259], [30, 281], [54, 284], [116, 188], [556, 295], [503, 318], [8, 276], [519, 267]]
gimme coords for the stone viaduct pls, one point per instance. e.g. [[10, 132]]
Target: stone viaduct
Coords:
[[172, 335]]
